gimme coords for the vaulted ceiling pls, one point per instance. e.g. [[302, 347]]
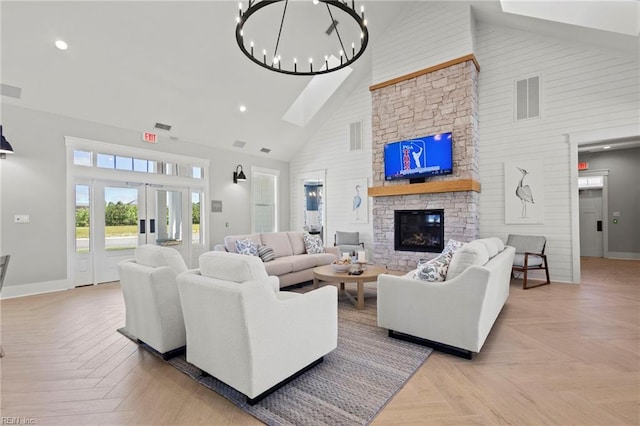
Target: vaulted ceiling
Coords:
[[132, 64]]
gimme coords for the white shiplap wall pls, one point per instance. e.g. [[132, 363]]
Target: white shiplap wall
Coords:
[[426, 34], [329, 150], [583, 89]]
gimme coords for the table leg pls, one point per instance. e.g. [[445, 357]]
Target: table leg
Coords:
[[360, 304], [316, 283]]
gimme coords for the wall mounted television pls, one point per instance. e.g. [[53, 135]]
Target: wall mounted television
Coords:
[[418, 158]]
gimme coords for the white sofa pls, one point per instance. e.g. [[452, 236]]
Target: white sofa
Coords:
[[292, 264], [244, 331], [152, 303], [456, 315]]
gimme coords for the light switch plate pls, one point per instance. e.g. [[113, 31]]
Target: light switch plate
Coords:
[[21, 218]]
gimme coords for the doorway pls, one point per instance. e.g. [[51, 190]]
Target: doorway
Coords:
[[591, 223], [122, 197]]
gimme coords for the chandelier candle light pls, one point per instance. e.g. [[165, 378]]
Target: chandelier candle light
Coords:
[[275, 62]]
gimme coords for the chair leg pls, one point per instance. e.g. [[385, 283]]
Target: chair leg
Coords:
[[524, 279], [1, 352]]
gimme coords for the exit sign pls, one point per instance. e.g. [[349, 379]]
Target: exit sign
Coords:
[[583, 165], [149, 137]]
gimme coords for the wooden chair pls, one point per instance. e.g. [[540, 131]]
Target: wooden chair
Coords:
[[529, 256], [4, 264]]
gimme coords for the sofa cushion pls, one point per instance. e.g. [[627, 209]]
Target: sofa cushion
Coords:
[[322, 258], [278, 267], [230, 241], [246, 246], [296, 239], [313, 244], [491, 245], [156, 256], [232, 267], [279, 242], [434, 270], [266, 253], [534, 260], [300, 262], [473, 253]]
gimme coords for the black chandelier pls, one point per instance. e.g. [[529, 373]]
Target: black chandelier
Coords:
[[275, 63]]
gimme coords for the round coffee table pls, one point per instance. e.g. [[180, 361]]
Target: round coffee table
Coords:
[[327, 273]]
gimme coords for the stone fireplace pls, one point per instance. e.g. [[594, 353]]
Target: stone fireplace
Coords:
[[439, 99], [419, 230]]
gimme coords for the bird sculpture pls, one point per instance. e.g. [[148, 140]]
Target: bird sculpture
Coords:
[[524, 193], [357, 201]]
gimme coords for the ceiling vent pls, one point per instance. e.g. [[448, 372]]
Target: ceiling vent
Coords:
[[11, 91], [332, 27], [239, 144], [265, 150], [162, 126], [528, 98], [355, 136]]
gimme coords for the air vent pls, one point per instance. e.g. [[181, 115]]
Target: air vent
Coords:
[[265, 150], [239, 144], [528, 98], [162, 126], [355, 136], [332, 27], [11, 91]]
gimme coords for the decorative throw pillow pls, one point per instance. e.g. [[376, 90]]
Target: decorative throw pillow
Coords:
[[313, 244], [266, 253], [452, 246], [434, 270], [246, 246]]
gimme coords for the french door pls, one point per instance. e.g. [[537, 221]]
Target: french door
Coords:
[[113, 218]]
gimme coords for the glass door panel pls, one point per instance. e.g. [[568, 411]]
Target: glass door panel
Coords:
[[121, 218], [168, 215]]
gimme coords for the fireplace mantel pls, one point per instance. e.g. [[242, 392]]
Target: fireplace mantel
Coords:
[[425, 188]]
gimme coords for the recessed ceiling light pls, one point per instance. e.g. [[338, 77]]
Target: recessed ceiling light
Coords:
[[243, 108], [606, 147], [61, 44]]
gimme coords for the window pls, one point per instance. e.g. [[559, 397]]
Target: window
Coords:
[[83, 217], [528, 98], [196, 202], [82, 158], [124, 163], [264, 188], [105, 161]]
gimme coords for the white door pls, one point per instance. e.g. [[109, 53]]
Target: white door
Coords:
[[591, 240], [113, 218]]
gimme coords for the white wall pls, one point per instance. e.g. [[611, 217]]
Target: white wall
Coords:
[[33, 181], [426, 34], [329, 150], [583, 89]]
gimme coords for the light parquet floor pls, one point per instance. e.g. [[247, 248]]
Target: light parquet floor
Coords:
[[561, 354]]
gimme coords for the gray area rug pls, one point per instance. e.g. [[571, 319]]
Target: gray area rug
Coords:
[[350, 387]]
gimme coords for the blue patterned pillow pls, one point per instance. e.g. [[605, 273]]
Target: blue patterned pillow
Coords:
[[246, 246], [452, 246], [266, 253], [313, 244], [434, 270]]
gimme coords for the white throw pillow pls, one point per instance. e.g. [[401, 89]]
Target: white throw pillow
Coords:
[[473, 253]]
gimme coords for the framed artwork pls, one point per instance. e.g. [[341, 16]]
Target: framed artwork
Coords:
[[524, 191], [358, 201]]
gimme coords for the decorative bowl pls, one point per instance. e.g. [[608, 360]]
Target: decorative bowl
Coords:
[[341, 268]]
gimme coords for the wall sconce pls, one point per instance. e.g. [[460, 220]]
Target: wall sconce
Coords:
[[5, 146], [238, 176]]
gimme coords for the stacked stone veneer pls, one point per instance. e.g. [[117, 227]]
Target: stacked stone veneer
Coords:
[[445, 100]]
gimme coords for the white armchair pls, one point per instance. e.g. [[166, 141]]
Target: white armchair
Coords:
[[152, 303], [245, 332]]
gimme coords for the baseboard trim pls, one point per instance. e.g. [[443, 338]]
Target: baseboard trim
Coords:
[[623, 255], [22, 290]]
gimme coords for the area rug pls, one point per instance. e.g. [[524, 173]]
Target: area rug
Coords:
[[350, 387]]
